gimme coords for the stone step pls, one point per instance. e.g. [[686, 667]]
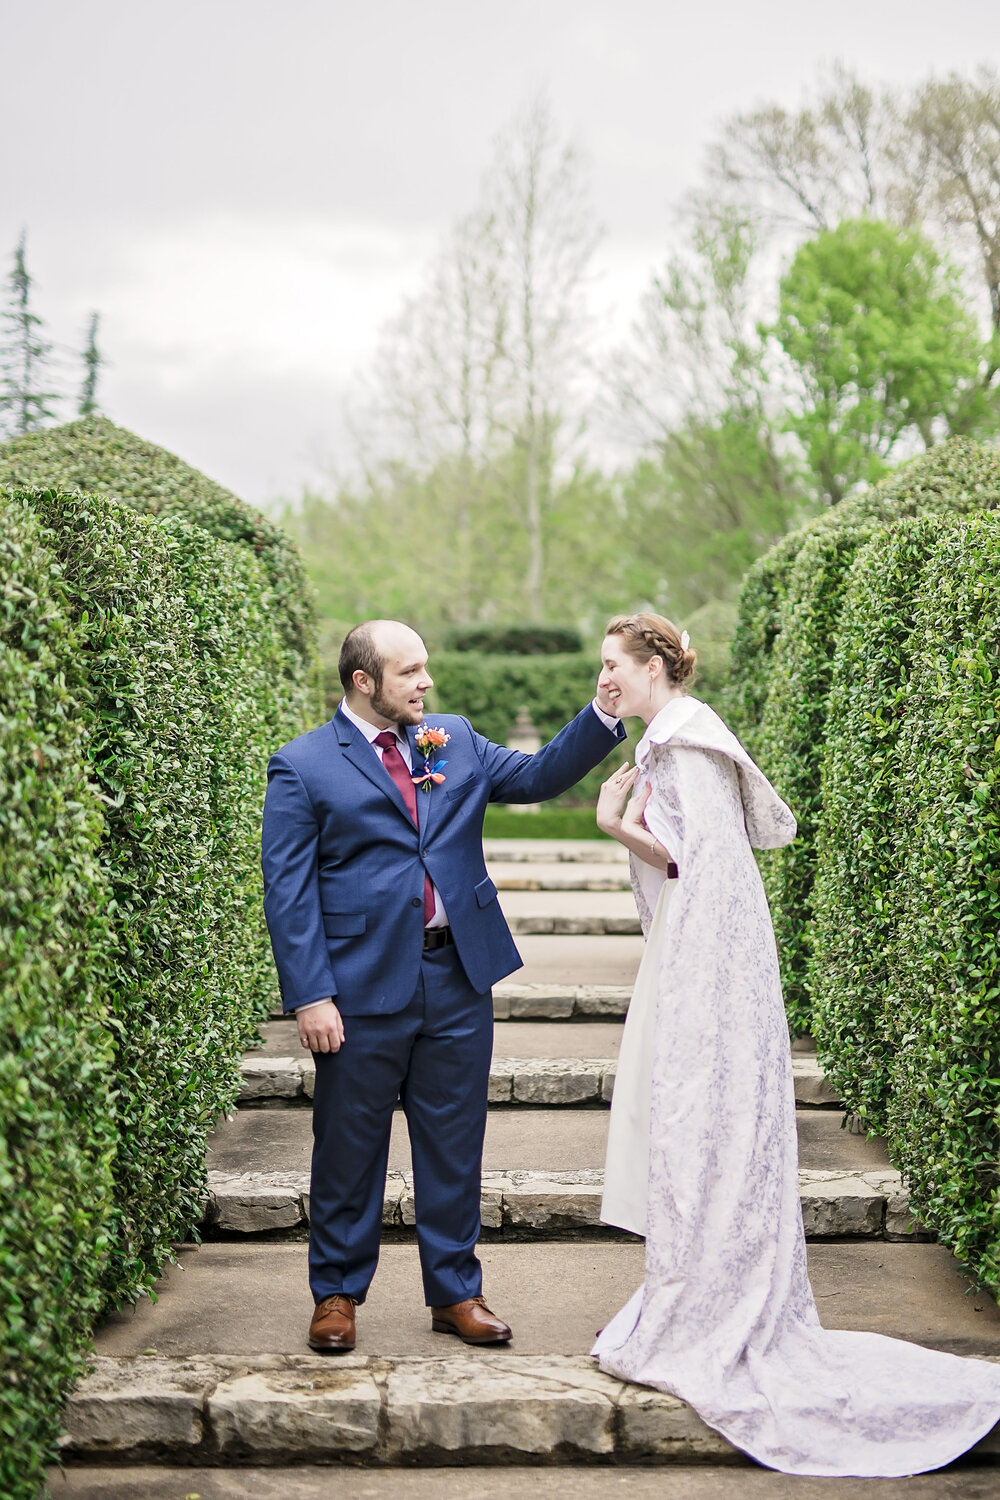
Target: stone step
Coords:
[[499, 1408], [549, 1002], [522, 1204], [514, 1081], [976, 1479], [560, 877], [247, 1296], [571, 913], [555, 851], [542, 1139], [536, 1039]]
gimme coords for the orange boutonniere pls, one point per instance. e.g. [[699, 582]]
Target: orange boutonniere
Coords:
[[429, 742]]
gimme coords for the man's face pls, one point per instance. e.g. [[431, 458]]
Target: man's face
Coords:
[[405, 678]]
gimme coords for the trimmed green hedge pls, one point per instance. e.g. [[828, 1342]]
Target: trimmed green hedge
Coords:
[[57, 1136], [757, 628], [790, 743], [959, 477], [906, 958], [866, 817], [944, 995], [158, 665], [783, 652], [515, 639], [98, 458]]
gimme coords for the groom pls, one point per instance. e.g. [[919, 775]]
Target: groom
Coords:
[[387, 937]]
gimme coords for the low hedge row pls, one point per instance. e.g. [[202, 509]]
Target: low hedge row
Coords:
[[57, 1135], [907, 954], [176, 668]]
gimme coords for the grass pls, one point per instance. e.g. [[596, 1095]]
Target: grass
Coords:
[[547, 823]]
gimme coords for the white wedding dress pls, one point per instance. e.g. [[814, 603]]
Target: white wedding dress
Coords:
[[703, 1159]]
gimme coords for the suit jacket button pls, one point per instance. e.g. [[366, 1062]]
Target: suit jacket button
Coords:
[[416, 901]]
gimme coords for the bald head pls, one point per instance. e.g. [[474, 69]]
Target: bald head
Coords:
[[383, 669]]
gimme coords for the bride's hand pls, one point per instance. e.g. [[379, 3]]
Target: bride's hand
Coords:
[[632, 816], [613, 794]]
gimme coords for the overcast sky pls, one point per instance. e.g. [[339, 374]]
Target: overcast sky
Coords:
[[246, 189]]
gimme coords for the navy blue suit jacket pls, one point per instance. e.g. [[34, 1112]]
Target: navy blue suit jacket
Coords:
[[344, 864]]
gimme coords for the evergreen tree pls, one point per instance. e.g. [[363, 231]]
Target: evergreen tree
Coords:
[[25, 404], [92, 361]]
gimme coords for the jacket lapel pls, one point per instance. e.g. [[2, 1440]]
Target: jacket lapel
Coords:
[[425, 800], [365, 757]]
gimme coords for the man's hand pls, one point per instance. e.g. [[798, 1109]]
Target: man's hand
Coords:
[[320, 1027]]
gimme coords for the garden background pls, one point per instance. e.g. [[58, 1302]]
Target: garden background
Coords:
[[811, 488]]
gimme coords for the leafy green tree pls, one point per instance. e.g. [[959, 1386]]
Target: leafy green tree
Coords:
[[886, 352], [87, 405], [25, 403], [714, 485]]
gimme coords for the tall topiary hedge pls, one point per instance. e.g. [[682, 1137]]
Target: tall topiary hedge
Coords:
[[95, 457], [147, 670], [172, 757], [943, 1117], [757, 628], [57, 1137], [959, 477], [865, 825], [784, 646], [790, 742]]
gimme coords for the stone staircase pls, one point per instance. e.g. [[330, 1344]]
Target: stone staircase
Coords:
[[211, 1392]]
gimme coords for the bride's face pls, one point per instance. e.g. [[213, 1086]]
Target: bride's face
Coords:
[[626, 681]]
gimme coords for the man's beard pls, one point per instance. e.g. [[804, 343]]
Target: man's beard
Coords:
[[396, 713]]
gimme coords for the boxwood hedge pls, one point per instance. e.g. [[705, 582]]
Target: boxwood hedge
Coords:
[[784, 646], [959, 477], [943, 996], [57, 1137], [865, 824], [790, 739], [147, 670]]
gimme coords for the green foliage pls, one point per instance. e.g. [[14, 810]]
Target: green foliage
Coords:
[[944, 1106], [98, 458], [906, 954], [550, 822], [514, 639], [446, 547], [56, 1131], [163, 691], [697, 515], [147, 669], [959, 477], [885, 349], [756, 630], [865, 826], [790, 743]]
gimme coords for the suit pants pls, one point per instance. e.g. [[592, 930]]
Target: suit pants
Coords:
[[434, 1056]]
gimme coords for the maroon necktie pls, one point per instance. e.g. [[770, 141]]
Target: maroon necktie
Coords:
[[396, 766]]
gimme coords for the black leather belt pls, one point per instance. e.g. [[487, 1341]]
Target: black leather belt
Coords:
[[437, 937]]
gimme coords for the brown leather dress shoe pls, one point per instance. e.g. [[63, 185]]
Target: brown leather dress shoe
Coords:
[[332, 1328], [472, 1321]]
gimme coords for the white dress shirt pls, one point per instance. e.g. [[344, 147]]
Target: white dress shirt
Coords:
[[440, 917]]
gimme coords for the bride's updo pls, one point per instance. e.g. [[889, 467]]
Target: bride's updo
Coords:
[[645, 636]]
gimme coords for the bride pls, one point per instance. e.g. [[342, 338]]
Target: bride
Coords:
[[702, 1150]]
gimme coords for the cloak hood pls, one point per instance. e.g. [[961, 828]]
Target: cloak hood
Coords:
[[687, 721]]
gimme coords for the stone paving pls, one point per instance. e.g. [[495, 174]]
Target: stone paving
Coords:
[[215, 1373]]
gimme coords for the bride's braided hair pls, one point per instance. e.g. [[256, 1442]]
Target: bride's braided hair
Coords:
[[646, 635]]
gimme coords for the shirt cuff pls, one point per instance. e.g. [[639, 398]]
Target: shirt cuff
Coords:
[[607, 720], [310, 1003]]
